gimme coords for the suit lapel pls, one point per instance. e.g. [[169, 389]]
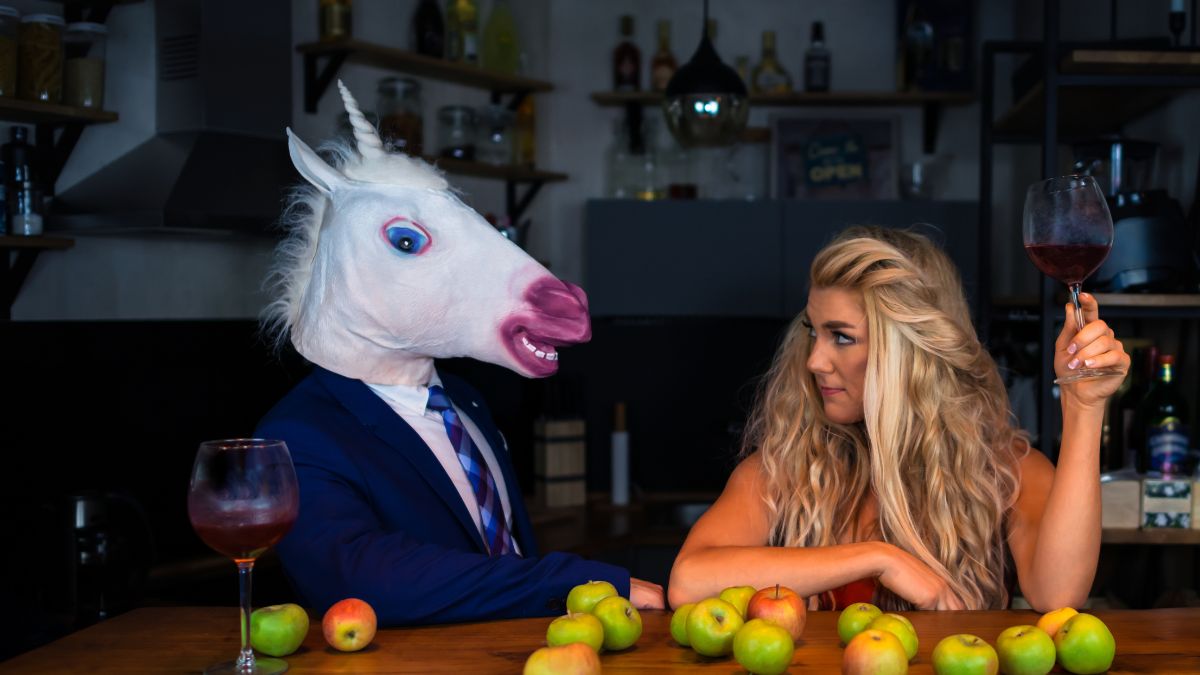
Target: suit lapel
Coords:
[[374, 413], [522, 527]]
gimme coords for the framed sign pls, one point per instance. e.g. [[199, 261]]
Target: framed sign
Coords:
[[834, 158]]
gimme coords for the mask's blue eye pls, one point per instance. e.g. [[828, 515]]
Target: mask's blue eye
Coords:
[[406, 239]]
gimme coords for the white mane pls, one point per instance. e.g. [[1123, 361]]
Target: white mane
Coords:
[[304, 214]]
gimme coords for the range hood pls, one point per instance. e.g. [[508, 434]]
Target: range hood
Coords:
[[218, 161]]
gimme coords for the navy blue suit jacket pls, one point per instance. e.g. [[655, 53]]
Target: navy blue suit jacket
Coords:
[[380, 520]]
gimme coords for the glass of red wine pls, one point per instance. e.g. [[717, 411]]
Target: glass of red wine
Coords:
[[1068, 233], [243, 498]]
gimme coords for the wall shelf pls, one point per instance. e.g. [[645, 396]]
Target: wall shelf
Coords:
[[12, 274], [318, 77], [1157, 536], [323, 60], [1087, 106], [931, 103]]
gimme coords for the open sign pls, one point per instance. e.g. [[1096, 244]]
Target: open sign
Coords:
[[835, 160]]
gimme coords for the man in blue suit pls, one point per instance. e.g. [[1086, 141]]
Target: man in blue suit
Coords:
[[408, 498]]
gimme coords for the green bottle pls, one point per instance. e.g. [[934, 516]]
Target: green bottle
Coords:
[[501, 49]]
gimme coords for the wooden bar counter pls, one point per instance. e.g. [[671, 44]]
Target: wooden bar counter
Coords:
[[187, 639]]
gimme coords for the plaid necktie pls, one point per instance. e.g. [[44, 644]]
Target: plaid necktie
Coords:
[[491, 510]]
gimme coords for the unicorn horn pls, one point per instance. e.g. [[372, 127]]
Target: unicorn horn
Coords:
[[365, 137]]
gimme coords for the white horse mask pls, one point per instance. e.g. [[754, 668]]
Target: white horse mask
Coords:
[[386, 269]]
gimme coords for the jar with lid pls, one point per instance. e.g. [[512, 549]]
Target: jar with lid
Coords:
[[399, 108], [9, 20], [494, 135], [40, 58], [456, 132], [83, 76]]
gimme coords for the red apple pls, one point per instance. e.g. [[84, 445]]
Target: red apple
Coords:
[[349, 625], [573, 659], [874, 652], [781, 606]]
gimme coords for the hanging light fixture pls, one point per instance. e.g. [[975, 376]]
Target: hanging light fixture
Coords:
[[706, 103]]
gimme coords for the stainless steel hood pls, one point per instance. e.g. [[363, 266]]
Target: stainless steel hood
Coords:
[[219, 161]]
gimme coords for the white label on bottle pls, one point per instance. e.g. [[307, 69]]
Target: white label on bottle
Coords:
[[470, 48], [1168, 445]]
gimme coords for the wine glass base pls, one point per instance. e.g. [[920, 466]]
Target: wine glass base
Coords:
[[1088, 374], [262, 666]]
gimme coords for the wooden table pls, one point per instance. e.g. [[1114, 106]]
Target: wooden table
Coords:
[[186, 639]]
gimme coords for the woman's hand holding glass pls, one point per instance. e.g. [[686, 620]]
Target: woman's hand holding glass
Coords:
[[1094, 347]]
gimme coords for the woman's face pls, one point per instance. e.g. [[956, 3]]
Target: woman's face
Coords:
[[838, 357]]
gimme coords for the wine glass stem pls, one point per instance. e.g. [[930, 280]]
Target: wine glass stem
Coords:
[[1078, 310], [245, 661]]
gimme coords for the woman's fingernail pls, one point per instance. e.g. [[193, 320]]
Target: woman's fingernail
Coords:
[[1071, 349], [1089, 362], [1073, 364]]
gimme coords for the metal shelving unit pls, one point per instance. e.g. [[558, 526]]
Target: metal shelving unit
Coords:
[[1071, 78]]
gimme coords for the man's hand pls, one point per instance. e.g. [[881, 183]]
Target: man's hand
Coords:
[[645, 595]]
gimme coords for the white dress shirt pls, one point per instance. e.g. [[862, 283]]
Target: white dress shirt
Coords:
[[409, 402]]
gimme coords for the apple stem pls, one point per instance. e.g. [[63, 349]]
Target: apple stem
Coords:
[[776, 591]]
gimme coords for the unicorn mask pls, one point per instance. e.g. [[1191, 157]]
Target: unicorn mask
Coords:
[[386, 269]]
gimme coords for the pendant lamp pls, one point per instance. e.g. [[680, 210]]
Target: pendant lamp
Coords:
[[706, 102]]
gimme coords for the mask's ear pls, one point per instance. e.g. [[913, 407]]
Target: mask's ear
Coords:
[[310, 165]]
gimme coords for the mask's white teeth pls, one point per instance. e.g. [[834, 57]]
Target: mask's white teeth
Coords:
[[546, 352]]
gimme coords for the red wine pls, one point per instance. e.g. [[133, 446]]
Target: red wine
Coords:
[[1069, 263], [243, 540]]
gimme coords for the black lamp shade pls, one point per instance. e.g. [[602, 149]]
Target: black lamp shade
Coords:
[[706, 103]]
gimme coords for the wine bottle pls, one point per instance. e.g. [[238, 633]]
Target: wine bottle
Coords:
[[1164, 410], [428, 30], [627, 59], [663, 65], [769, 76], [817, 61]]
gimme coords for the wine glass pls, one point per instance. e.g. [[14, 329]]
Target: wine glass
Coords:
[[1068, 233], [243, 498]]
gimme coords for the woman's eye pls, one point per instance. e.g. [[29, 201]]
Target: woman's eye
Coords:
[[407, 239], [842, 338]]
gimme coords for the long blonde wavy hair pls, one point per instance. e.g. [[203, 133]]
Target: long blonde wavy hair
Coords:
[[937, 446]]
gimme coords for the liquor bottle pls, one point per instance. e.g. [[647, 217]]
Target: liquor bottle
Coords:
[[501, 49], [663, 65], [525, 153], [428, 30], [462, 31], [1165, 451], [1124, 440], [22, 196], [817, 61], [627, 60], [334, 18], [742, 66], [769, 76]]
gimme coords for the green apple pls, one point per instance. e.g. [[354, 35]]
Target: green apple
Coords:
[[278, 630], [576, 627], [1025, 650], [854, 619], [679, 624], [711, 625], [573, 659], [763, 648], [899, 626], [874, 652], [1085, 645], [584, 597], [739, 597], [622, 623], [965, 655]]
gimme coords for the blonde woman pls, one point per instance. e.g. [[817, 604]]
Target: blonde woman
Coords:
[[881, 463]]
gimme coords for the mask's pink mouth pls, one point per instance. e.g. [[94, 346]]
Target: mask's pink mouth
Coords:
[[559, 317]]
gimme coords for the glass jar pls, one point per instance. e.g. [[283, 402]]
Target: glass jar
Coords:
[[456, 132], [335, 19], [399, 108], [494, 135], [40, 58], [10, 19], [83, 72]]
